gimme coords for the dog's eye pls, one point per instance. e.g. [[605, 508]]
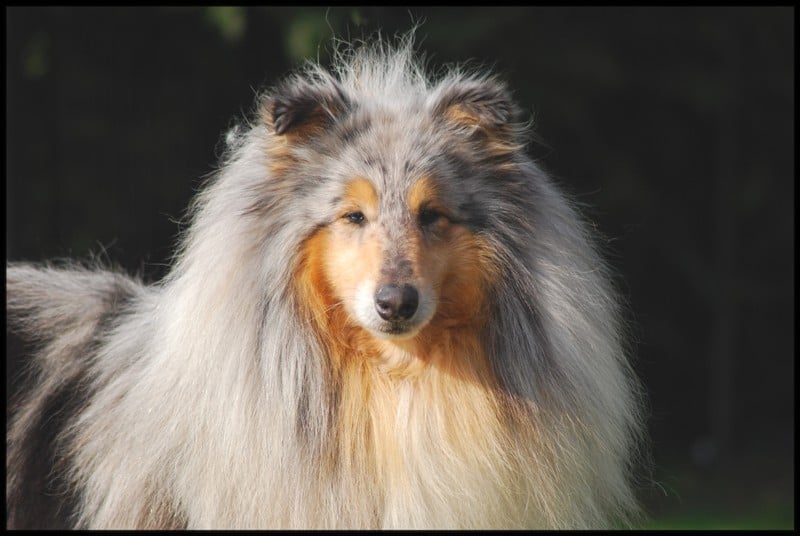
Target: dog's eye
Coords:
[[428, 216], [356, 217]]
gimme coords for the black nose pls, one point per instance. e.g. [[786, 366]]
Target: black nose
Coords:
[[395, 302]]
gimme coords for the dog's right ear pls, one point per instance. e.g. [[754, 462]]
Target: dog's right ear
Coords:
[[302, 107]]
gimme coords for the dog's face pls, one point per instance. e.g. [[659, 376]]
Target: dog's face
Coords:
[[392, 259], [385, 270], [400, 249]]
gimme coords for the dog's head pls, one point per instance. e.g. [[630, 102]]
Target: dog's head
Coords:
[[403, 179]]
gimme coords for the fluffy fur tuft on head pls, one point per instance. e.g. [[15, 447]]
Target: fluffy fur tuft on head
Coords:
[[383, 315]]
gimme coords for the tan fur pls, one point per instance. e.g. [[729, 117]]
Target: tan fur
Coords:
[[443, 369]]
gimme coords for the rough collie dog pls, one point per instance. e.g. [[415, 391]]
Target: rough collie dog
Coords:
[[383, 314]]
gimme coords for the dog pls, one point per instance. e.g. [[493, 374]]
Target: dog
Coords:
[[383, 314]]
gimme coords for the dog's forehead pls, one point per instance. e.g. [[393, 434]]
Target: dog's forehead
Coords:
[[399, 148], [396, 148]]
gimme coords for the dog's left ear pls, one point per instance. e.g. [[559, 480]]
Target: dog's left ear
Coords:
[[484, 103], [302, 107], [483, 109]]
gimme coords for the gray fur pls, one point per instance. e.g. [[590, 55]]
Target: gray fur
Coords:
[[206, 401]]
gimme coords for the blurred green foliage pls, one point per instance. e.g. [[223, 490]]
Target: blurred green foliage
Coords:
[[769, 517], [230, 22], [36, 59], [304, 35]]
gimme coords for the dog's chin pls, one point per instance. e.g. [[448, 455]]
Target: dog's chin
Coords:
[[388, 330], [395, 331]]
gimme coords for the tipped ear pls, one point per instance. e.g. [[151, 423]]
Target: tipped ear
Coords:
[[485, 103], [303, 107]]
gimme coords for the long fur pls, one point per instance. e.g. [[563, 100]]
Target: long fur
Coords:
[[218, 398]]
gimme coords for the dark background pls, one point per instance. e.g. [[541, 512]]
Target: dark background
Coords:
[[675, 126]]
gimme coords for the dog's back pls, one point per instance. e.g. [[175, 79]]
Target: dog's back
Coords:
[[64, 312]]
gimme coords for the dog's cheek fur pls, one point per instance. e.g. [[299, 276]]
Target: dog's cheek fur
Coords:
[[331, 267]]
